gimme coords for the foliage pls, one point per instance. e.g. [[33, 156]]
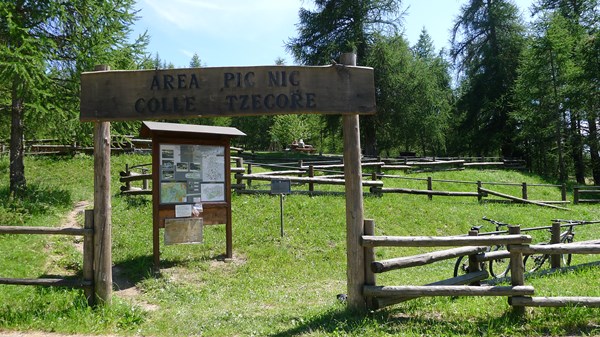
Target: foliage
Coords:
[[487, 38], [557, 90], [413, 95], [287, 128], [335, 27]]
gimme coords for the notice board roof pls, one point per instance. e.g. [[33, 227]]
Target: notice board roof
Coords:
[[150, 128]]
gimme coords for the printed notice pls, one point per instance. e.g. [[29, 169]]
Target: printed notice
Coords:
[[183, 211]]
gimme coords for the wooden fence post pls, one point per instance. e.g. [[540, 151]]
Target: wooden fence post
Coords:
[[429, 187], [563, 192], [102, 210], [369, 258], [517, 269], [311, 174], [474, 265], [354, 205], [239, 162], [555, 238], [575, 195], [127, 174], [479, 196], [88, 257], [249, 181], [524, 190]]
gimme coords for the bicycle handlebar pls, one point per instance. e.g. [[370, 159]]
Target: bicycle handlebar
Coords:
[[576, 222], [497, 223]]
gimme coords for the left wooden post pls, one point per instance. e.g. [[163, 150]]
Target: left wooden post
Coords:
[[102, 210]]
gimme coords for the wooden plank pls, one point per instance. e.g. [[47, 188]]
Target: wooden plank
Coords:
[[561, 301], [365, 164], [495, 255], [562, 248], [135, 176], [280, 173], [44, 230], [435, 163], [430, 192], [382, 302], [397, 291], [441, 241], [47, 282], [498, 194], [266, 177], [226, 91], [423, 259]]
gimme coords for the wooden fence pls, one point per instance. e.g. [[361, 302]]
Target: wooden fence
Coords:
[[580, 191], [479, 193], [519, 294], [299, 172], [87, 282], [128, 176]]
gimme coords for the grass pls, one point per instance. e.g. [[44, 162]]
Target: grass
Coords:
[[274, 286]]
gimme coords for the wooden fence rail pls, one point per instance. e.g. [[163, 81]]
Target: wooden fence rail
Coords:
[[579, 191], [87, 280], [519, 294]]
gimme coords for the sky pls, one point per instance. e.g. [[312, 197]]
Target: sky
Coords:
[[254, 32]]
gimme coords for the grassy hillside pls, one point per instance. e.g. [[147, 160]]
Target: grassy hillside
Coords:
[[274, 286]]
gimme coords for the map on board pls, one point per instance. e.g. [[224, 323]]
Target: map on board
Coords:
[[173, 192], [213, 192], [189, 173]]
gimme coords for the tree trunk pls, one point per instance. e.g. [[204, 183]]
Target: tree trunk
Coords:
[[17, 152], [594, 148], [370, 137], [577, 149]]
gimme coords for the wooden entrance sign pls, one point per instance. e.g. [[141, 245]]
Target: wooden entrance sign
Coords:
[[191, 179], [237, 91], [342, 89]]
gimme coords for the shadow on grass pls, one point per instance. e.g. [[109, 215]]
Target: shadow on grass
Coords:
[[37, 199], [401, 320]]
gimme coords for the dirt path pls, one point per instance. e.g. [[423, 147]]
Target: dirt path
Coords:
[[123, 287]]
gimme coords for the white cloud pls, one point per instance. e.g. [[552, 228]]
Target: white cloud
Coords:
[[246, 19]]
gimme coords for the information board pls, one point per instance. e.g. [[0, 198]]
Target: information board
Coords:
[[191, 174]]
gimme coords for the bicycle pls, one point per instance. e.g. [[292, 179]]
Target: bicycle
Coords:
[[498, 268], [537, 261]]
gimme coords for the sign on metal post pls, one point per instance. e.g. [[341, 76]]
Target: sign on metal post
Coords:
[[281, 187]]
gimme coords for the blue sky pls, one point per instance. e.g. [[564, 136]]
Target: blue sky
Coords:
[[253, 32]]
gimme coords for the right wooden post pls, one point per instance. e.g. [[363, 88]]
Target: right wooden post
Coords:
[[354, 206], [517, 270]]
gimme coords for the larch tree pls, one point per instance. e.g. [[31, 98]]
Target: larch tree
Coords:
[[44, 46], [338, 26], [487, 39]]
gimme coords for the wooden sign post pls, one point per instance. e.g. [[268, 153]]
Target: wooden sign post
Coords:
[[342, 89]]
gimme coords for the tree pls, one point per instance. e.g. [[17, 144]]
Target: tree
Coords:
[[413, 95], [337, 26], [487, 39], [559, 81], [44, 46], [195, 61]]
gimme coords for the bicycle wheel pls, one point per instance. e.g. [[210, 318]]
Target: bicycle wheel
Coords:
[[461, 266], [534, 262], [500, 268], [566, 258]]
